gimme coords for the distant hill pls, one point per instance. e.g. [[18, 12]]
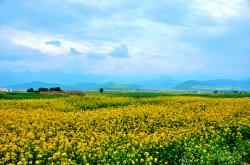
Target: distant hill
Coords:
[[220, 84], [194, 85], [10, 78], [85, 86], [247, 79], [118, 86], [81, 86], [35, 85], [161, 82], [226, 82]]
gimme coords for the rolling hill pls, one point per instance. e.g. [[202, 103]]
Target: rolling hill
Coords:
[[86, 86], [82, 86], [118, 86], [220, 84], [35, 85], [164, 82], [194, 85]]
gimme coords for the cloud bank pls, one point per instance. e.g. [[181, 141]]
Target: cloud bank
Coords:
[[164, 37], [55, 43], [120, 52], [73, 51]]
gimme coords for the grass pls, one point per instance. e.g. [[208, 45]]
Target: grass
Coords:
[[20, 96]]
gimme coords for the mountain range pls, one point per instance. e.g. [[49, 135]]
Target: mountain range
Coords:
[[27, 79], [11, 78], [160, 82], [191, 85], [82, 86], [220, 84]]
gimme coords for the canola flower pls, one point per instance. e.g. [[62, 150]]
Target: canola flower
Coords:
[[95, 129]]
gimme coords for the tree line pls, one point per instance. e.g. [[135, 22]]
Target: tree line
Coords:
[[44, 89]]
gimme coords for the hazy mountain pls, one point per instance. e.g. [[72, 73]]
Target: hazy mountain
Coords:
[[220, 84], [161, 82], [226, 82], [21, 80], [246, 79], [119, 86], [231, 84], [198, 77], [11, 78], [35, 85], [82, 86], [85, 86], [193, 85]]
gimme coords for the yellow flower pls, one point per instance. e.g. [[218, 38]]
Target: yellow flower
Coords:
[[99, 127]]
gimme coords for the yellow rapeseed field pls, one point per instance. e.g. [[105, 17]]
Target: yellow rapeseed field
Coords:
[[97, 129]]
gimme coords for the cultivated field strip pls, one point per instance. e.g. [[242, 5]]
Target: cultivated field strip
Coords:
[[97, 129]]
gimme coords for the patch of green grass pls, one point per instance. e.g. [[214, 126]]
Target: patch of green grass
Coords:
[[20, 96], [216, 154]]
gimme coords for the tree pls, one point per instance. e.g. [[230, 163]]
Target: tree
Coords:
[[55, 89], [43, 89], [101, 90], [58, 89], [30, 90]]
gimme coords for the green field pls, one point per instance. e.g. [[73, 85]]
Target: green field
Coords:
[[11, 96], [19, 96], [16, 96]]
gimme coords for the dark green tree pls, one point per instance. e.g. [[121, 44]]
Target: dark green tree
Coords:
[[43, 89], [101, 90], [30, 90], [58, 89], [55, 89]]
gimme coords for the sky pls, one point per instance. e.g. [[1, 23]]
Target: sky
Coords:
[[127, 37]]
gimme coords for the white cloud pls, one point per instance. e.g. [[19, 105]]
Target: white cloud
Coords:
[[158, 40], [222, 10], [55, 43], [33, 40], [96, 56], [39, 41], [120, 52], [73, 51], [143, 36]]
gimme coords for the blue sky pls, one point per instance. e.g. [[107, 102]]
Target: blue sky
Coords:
[[129, 37]]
